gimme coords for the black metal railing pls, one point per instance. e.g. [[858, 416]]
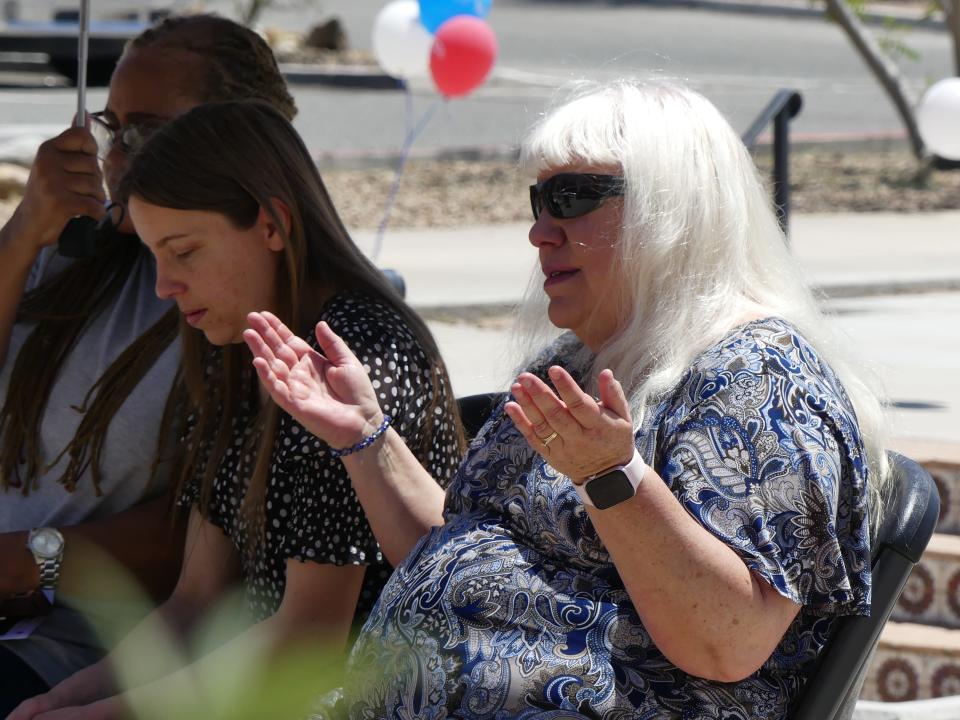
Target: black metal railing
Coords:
[[784, 106]]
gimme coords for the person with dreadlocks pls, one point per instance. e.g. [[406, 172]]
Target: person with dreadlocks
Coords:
[[89, 353]]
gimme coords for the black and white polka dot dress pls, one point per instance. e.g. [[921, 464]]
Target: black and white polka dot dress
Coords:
[[312, 513]]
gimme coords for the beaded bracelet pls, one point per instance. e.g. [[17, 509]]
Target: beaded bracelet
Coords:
[[366, 442]]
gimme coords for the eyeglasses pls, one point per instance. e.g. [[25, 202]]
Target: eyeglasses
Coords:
[[128, 138], [570, 195]]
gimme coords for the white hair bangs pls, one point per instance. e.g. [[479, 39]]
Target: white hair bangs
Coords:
[[584, 131]]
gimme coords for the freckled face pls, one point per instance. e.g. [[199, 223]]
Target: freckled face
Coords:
[[216, 273], [578, 257]]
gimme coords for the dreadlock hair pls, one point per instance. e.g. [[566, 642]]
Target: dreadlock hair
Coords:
[[188, 165], [233, 63], [238, 64]]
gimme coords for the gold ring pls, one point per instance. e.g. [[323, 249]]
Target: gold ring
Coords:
[[550, 438]]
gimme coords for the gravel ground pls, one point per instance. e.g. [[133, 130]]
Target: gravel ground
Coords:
[[833, 181], [444, 193], [458, 192]]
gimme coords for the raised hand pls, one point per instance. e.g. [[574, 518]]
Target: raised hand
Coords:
[[577, 434], [329, 394], [65, 181]]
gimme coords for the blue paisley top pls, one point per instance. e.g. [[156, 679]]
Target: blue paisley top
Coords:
[[513, 609]]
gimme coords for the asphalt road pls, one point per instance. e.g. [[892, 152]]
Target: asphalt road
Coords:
[[738, 59]]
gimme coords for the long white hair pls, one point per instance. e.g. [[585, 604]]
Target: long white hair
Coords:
[[700, 246]]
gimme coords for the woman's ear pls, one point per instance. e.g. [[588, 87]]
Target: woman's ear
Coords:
[[274, 237]]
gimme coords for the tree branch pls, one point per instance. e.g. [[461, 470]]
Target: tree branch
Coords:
[[951, 14], [883, 68]]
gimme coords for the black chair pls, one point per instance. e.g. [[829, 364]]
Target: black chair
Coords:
[[396, 281], [475, 409], [910, 518]]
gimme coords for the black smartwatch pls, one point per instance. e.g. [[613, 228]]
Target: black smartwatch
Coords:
[[613, 486]]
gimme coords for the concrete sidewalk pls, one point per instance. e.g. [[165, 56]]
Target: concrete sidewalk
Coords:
[[894, 281], [847, 254]]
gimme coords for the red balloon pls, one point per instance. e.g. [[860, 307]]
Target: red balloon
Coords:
[[463, 52]]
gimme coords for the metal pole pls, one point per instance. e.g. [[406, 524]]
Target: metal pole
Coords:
[[79, 236], [82, 52], [781, 169]]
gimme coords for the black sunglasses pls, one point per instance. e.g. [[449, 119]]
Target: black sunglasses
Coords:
[[570, 195]]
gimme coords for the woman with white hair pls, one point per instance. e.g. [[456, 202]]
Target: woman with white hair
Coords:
[[668, 515]]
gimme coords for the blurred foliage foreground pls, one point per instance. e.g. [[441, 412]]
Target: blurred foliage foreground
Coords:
[[244, 684]]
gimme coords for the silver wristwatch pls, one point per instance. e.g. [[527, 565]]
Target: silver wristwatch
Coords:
[[46, 545]]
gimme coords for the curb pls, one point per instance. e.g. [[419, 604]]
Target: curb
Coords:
[[358, 77], [372, 77], [802, 9], [946, 708], [465, 313], [889, 287], [363, 159], [475, 312]]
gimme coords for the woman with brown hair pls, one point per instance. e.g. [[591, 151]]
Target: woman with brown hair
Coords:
[[88, 353], [269, 503]]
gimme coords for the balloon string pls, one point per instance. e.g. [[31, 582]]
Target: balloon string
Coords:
[[408, 109], [413, 131]]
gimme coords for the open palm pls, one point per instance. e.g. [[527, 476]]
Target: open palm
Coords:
[[329, 394]]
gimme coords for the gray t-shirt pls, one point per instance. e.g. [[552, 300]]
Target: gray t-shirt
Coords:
[[64, 643]]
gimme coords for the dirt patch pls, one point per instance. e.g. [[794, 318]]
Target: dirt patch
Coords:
[[432, 193], [837, 181], [445, 193], [452, 193]]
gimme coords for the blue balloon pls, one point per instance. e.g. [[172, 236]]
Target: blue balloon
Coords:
[[434, 13]]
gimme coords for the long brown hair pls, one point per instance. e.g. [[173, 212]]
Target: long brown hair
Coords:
[[234, 159], [233, 63]]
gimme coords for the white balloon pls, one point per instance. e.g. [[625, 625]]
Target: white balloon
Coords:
[[938, 118], [401, 44]]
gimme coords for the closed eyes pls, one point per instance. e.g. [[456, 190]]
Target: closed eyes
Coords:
[[183, 254]]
